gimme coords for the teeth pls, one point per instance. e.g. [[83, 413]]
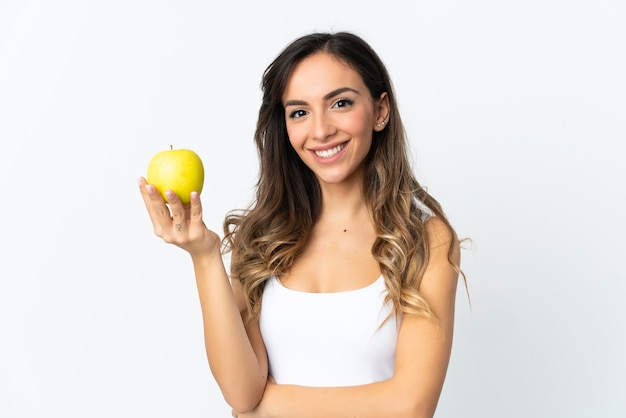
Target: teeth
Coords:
[[329, 152]]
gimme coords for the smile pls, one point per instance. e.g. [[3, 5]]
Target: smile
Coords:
[[327, 153]]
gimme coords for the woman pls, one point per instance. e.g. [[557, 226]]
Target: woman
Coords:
[[343, 270]]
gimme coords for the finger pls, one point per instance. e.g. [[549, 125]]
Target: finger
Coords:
[[155, 205], [142, 182], [178, 220], [195, 209]]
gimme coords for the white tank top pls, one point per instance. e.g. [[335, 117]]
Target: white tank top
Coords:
[[328, 339]]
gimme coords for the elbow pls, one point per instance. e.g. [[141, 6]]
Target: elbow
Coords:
[[244, 401], [242, 406]]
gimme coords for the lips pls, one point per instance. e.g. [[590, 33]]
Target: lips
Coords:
[[328, 153]]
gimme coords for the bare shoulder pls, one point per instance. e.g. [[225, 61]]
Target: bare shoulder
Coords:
[[440, 279], [442, 243], [438, 232]]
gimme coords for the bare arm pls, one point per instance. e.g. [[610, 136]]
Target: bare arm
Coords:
[[235, 352], [422, 356]]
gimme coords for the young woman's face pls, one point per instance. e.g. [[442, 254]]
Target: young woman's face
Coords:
[[331, 117]]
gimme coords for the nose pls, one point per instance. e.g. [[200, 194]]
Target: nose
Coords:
[[323, 127]]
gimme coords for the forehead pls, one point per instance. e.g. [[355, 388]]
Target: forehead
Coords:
[[320, 73]]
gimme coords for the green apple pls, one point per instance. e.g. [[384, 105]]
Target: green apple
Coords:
[[178, 170]]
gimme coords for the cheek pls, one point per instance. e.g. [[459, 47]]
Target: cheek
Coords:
[[295, 134], [360, 123]]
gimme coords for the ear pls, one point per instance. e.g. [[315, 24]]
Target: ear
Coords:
[[381, 111]]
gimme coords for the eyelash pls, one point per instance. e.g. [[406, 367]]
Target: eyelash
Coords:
[[298, 113], [348, 102]]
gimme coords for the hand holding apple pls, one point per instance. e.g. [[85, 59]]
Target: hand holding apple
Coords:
[[178, 170]]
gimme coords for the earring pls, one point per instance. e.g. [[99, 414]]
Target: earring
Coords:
[[381, 123]]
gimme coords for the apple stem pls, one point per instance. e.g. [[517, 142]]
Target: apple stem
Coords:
[[171, 147]]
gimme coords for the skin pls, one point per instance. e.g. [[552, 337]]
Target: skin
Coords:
[[235, 352], [326, 105], [324, 110], [335, 109]]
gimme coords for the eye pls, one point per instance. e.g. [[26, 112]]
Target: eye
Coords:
[[344, 103], [297, 114]]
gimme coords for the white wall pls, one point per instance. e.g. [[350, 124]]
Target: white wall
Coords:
[[516, 112]]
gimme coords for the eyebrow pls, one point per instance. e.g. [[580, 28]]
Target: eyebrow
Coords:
[[326, 97]]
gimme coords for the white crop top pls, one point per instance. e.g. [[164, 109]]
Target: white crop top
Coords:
[[328, 339]]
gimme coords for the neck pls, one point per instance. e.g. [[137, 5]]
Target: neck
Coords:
[[343, 207]]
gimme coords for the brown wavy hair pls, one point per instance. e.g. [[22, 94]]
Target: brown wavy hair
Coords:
[[266, 238]]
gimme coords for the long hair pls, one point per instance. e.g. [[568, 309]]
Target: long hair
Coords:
[[266, 238]]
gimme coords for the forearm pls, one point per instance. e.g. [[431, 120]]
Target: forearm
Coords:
[[382, 399], [422, 358], [231, 356]]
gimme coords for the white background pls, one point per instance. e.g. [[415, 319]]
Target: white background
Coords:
[[517, 117]]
